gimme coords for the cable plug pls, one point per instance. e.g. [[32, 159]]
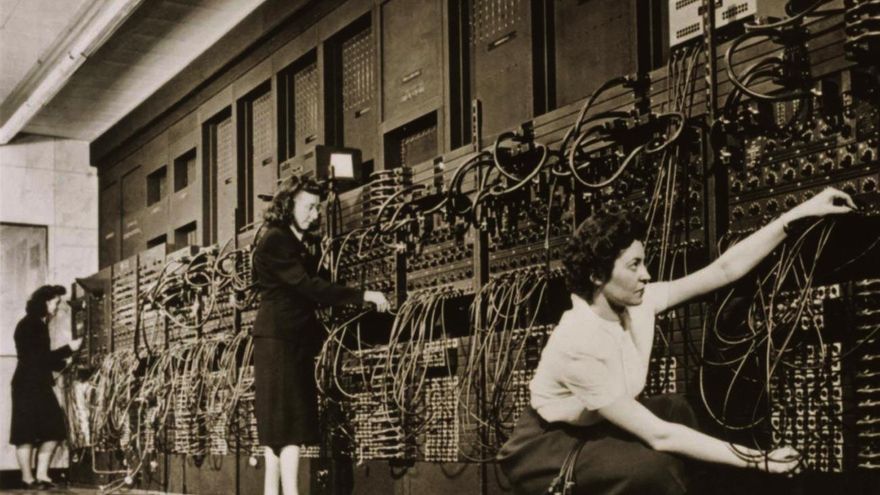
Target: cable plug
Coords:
[[555, 487], [635, 81]]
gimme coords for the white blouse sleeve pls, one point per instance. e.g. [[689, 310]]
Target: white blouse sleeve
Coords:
[[589, 379]]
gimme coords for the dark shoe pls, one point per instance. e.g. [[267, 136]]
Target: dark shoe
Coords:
[[33, 485], [45, 485]]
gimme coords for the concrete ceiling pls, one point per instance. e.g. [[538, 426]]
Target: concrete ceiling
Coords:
[[28, 29], [158, 40]]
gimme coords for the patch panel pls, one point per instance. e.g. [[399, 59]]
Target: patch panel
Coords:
[[441, 437], [662, 376], [440, 264], [807, 411], [866, 311], [123, 294], [151, 338], [748, 215]]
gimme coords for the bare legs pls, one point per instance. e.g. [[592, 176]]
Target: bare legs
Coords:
[[283, 469], [44, 455], [23, 454], [289, 469], [273, 475]]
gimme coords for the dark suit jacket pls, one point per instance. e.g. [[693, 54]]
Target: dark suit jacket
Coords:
[[291, 290]]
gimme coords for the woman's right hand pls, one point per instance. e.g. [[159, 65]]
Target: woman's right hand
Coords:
[[828, 202], [377, 298], [780, 460], [75, 344]]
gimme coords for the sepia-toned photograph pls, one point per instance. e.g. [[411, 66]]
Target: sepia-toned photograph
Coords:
[[430, 247]]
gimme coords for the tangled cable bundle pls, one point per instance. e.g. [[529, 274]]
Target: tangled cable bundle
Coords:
[[761, 354], [194, 392], [188, 291], [393, 375], [504, 317]]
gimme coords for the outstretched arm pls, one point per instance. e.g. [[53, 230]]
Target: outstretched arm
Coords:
[[746, 254], [630, 415]]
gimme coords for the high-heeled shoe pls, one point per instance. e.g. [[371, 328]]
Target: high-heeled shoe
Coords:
[[45, 484], [33, 485]]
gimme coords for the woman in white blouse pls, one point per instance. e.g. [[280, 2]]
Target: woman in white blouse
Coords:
[[584, 412]]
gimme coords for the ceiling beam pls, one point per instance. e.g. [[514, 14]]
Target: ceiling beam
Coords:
[[98, 21]]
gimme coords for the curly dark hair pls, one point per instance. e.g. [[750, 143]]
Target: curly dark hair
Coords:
[[36, 305], [596, 243], [280, 210]]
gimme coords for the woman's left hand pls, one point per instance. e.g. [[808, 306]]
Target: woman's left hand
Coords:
[[828, 202]]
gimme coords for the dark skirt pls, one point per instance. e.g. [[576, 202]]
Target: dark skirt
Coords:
[[285, 394], [36, 416], [612, 461]]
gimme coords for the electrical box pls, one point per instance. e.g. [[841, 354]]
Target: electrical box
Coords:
[[133, 210], [298, 107], [686, 17], [412, 143], [595, 41], [352, 83], [109, 218], [223, 176], [501, 61], [257, 130], [156, 213], [412, 56]]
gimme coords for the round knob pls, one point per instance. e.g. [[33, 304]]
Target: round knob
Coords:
[[736, 186], [754, 209], [753, 182]]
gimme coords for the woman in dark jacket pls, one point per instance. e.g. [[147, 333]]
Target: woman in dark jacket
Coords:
[[287, 336], [37, 419]]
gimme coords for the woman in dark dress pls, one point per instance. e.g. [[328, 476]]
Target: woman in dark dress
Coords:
[[37, 419], [287, 336]]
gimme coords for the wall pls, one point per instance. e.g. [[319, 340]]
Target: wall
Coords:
[[45, 182]]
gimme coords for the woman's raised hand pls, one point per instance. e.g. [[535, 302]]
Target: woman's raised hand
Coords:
[[828, 202]]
